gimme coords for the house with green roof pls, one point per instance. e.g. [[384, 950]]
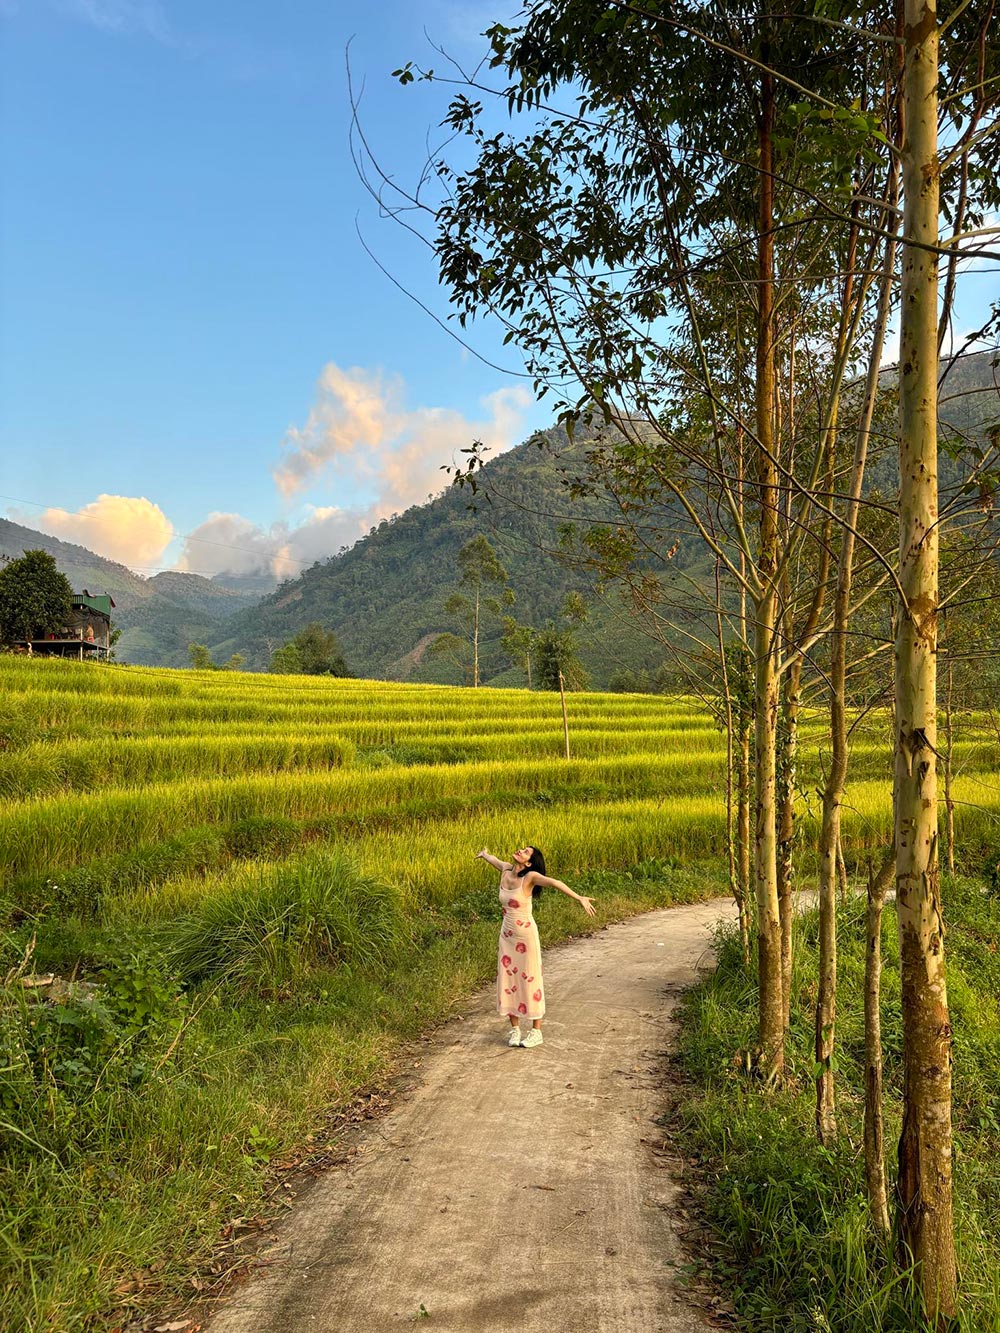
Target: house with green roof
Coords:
[[86, 633]]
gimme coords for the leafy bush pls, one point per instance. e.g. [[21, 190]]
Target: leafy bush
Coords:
[[60, 1045], [273, 924]]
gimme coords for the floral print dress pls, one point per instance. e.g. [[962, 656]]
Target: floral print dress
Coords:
[[519, 958]]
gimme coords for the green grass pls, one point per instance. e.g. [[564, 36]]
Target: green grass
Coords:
[[795, 1248], [249, 866], [131, 1174]]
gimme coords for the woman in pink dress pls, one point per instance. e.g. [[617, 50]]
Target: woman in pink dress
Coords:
[[519, 957]]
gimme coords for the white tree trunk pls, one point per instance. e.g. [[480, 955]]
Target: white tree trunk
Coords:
[[924, 1182]]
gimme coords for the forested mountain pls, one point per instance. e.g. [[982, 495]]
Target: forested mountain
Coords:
[[385, 597]]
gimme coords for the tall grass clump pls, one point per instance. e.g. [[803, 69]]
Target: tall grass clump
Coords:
[[271, 924]]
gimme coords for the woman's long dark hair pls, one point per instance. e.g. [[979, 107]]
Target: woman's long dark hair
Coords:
[[537, 862]]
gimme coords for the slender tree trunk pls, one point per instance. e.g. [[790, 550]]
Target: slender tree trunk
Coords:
[[791, 705], [743, 825], [924, 1178], [731, 716], [875, 1182], [743, 784], [789, 731], [842, 870], [565, 715], [831, 859], [830, 852], [475, 644], [826, 999], [949, 804], [771, 1019], [770, 1028]]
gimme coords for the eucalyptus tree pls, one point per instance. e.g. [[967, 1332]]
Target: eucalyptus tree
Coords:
[[596, 235], [479, 571], [520, 642], [956, 169], [559, 665]]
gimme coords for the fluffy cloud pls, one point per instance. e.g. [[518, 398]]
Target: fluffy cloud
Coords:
[[360, 437], [360, 433], [228, 544], [232, 544], [126, 528]]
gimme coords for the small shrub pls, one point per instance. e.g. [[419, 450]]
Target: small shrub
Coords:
[[60, 1044], [271, 925]]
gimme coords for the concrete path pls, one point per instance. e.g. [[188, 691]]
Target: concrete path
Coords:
[[511, 1191]]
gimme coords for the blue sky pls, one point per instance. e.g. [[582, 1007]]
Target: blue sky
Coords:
[[180, 268], [194, 344]]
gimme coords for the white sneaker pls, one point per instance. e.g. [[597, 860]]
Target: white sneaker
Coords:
[[534, 1038], [515, 1037]]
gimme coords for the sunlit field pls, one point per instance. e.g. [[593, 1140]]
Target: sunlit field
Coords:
[[116, 781], [249, 868]]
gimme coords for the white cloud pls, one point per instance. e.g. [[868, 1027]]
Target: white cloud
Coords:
[[232, 544], [227, 543], [360, 433], [324, 532], [126, 528], [360, 436]]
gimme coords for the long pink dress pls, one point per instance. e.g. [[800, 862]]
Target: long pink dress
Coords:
[[519, 958]]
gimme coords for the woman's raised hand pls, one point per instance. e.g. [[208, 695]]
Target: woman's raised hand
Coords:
[[588, 906], [481, 855]]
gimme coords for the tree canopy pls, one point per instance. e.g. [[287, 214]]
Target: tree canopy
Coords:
[[35, 598]]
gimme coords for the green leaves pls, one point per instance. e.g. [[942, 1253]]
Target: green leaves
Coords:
[[35, 597]]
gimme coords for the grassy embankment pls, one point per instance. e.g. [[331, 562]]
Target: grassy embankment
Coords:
[[796, 1249]]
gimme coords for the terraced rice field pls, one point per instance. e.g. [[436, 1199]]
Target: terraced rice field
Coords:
[[118, 779], [270, 882]]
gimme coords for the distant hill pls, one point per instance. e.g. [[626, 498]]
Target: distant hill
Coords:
[[384, 597], [158, 617]]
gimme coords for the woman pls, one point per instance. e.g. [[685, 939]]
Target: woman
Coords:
[[519, 957]]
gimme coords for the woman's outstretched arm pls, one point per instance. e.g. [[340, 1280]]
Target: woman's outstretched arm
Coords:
[[546, 882], [494, 861]]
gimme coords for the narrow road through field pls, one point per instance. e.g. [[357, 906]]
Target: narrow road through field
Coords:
[[510, 1190]]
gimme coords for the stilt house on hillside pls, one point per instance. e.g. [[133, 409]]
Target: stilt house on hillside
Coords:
[[87, 632]]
